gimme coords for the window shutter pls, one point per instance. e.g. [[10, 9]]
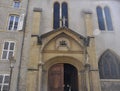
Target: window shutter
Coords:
[[21, 22]]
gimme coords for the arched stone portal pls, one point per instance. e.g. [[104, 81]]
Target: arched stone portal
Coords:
[[63, 74], [64, 47]]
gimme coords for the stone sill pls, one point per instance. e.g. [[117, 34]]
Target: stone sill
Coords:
[[110, 80]]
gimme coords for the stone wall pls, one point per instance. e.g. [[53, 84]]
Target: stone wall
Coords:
[[110, 85]]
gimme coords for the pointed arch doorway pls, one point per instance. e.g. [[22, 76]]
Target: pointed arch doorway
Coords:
[[62, 77]]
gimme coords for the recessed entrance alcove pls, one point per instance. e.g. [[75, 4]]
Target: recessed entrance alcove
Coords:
[[62, 77]]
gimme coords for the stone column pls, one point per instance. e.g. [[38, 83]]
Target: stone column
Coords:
[[87, 76], [36, 21], [34, 71], [31, 80], [82, 81], [40, 77], [91, 52]]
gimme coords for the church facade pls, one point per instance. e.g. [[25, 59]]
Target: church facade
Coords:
[[59, 45]]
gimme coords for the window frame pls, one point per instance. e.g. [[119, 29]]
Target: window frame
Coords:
[[3, 81], [16, 1], [64, 8], [109, 60], [61, 14], [100, 14], [105, 19], [13, 22], [109, 71], [8, 50]]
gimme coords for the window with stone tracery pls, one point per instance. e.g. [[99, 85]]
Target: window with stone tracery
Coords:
[[109, 66]]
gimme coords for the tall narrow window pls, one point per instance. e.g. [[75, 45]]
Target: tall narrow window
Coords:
[[8, 49], [13, 22], [100, 18], [65, 13], [4, 82], [108, 18], [60, 15], [56, 15]]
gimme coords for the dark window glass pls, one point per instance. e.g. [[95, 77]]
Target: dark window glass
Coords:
[[100, 18], [7, 78], [101, 69], [113, 70], [0, 87], [8, 50], [65, 13], [119, 71], [56, 16], [16, 4], [6, 45], [4, 56], [106, 69], [11, 22], [1, 78], [108, 19], [109, 66], [4, 82], [10, 54], [11, 46], [5, 88], [16, 23]]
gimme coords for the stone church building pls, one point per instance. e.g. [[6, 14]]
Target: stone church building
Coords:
[[59, 45]]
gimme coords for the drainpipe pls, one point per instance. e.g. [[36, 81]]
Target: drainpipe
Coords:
[[21, 54]]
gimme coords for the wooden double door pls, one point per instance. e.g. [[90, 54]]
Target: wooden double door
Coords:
[[62, 77]]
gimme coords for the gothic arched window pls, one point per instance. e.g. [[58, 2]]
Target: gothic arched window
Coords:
[[65, 13], [100, 18], [109, 66], [56, 15], [108, 18]]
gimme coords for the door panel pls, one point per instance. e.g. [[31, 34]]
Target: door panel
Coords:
[[62, 77], [55, 78]]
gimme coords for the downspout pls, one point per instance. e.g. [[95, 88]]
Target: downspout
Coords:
[[21, 54]]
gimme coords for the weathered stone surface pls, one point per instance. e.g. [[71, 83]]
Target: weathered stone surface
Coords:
[[110, 85]]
